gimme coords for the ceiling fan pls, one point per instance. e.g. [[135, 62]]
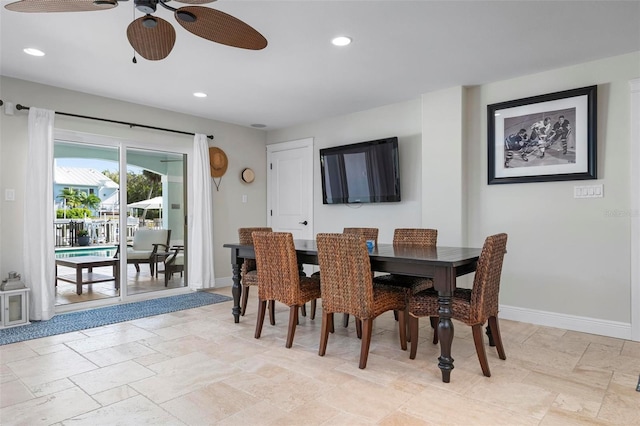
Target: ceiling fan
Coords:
[[153, 37]]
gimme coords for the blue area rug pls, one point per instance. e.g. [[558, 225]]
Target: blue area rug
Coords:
[[74, 321]]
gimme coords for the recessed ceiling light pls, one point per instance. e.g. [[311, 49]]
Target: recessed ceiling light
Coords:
[[200, 95], [259, 126], [33, 52], [341, 41]]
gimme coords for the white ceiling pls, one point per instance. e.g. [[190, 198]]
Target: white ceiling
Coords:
[[401, 49]]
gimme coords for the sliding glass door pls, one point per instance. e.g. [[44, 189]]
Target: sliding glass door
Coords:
[[156, 226], [120, 227], [86, 192]]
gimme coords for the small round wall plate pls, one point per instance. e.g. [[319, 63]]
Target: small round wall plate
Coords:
[[248, 175]]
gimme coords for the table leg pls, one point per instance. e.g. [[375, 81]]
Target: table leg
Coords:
[[236, 291], [445, 335], [445, 284], [78, 280]]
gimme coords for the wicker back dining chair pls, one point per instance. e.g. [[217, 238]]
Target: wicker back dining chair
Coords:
[[279, 278], [249, 271], [472, 306], [369, 234], [409, 237], [347, 287]]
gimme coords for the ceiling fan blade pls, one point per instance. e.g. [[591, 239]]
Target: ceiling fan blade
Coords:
[[35, 6], [152, 37], [195, 1], [217, 26]]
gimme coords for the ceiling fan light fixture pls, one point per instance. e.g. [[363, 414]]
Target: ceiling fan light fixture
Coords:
[[146, 6], [149, 22], [185, 16], [341, 41], [33, 51]]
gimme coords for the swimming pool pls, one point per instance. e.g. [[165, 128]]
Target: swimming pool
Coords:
[[104, 251]]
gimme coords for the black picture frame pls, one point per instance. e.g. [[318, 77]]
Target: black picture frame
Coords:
[[552, 148]]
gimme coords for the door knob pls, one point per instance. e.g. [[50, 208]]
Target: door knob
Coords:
[[303, 223]]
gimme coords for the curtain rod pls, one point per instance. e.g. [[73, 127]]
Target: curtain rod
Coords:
[[21, 107]]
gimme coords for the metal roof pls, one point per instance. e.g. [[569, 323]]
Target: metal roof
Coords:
[[74, 176]]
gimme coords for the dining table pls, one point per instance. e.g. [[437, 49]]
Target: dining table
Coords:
[[442, 264]]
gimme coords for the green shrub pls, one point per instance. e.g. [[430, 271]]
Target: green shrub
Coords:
[[75, 213]]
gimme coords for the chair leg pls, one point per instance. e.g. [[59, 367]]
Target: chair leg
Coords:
[[402, 329], [367, 326], [137, 265], [497, 338], [359, 328], [413, 326], [327, 325], [152, 268], [395, 315], [293, 321], [303, 309], [332, 329], [406, 321], [482, 355], [272, 312], [345, 320], [262, 304], [489, 335], [434, 324], [245, 298], [313, 309]]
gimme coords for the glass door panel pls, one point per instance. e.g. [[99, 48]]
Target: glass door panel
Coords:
[[156, 229], [86, 193]]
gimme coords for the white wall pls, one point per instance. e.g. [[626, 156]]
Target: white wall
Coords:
[[443, 172], [401, 120], [245, 147], [566, 255], [568, 262]]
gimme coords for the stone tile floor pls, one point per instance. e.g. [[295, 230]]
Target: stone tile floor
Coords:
[[197, 367]]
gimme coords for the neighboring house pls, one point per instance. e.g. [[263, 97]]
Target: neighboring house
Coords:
[[86, 180]]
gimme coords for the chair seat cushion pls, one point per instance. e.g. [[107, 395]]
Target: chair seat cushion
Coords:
[[388, 298], [425, 303], [250, 278], [410, 283], [138, 254], [309, 289], [179, 260]]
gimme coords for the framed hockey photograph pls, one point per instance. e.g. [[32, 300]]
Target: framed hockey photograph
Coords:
[[543, 138]]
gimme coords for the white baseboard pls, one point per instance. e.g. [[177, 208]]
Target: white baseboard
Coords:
[[223, 282], [602, 327]]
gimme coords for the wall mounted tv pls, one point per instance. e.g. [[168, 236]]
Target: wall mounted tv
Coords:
[[366, 172]]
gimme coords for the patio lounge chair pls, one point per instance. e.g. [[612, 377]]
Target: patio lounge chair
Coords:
[[147, 245]]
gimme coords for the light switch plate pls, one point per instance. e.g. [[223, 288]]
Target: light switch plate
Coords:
[[9, 194], [588, 191]]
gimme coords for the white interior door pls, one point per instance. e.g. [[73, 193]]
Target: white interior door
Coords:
[[290, 187]]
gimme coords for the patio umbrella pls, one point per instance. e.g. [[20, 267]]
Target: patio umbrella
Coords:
[[152, 203]]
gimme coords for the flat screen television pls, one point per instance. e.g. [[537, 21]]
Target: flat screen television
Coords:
[[365, 172]]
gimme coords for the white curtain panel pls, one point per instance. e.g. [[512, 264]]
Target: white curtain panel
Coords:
[[39, 262], [200, 259]]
